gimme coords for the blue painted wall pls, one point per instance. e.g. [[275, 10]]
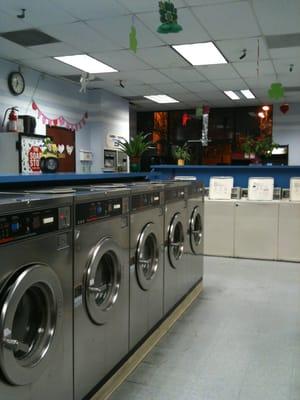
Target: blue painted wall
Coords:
[[281, 174]]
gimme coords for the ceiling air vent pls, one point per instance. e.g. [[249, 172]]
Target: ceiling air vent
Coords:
[[29, 37], [283, 41]]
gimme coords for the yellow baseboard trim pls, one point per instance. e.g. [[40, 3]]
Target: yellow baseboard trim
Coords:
[[135, 359]]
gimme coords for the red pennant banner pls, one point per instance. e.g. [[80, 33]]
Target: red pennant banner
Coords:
[[61, 121]]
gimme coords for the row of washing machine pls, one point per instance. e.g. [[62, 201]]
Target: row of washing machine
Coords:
[[86, 275]]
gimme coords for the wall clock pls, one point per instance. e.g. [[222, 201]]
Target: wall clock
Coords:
[[16, 83]]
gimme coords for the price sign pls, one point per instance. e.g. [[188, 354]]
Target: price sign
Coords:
[[34, 156]]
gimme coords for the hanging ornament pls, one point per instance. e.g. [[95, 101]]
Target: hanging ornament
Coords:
[[284, 108], [168, 18], [199, 112], [276, 91], [185, 118], [133, 43]]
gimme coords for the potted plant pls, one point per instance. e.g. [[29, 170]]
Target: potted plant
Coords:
[[182, 154], [134, 148], [264, 147], [249, 148]]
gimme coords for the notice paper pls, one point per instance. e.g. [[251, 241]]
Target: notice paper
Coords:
[[260, 189], [220, 187]]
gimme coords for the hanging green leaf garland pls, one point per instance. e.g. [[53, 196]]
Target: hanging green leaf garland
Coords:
[[133, 43], [276, 91], [168, 17]]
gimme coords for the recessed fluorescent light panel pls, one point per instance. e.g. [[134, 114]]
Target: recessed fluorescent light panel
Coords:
[[86, 63], [231, 95], [248, 94], [201, 53], [162, 99]]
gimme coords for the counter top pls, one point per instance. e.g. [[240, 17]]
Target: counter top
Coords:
[[17, 180]]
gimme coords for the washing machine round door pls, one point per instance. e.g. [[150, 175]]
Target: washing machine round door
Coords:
[[176, 240], [147, 256], [31, 304], [196, 231], [102, 280]]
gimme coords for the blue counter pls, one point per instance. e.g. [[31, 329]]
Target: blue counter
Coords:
[[12, 181], [241, 174]]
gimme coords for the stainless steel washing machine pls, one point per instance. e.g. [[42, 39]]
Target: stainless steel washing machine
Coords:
[[101, 279], [36, 333], [194, 238], [146, 260], [175, 230]]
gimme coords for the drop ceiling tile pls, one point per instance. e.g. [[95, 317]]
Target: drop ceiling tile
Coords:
[[262, 82], [221, 71], [288, 79], [192, 31], [92, 9], [9, 23], [13, 51], [118, 28], [143, 90], [38, 13], [189, 97], [146, 76], [277, 16], [137, 6], [199, 86], [122, 92], [288, 52], [228, 21], [122, 60], [208, 2], [80, 36], [170, 88], [282, 66], [51, 66], [232, 49], [230, 84], [185, 74], [54, 49], [248, 69], [162, 57]]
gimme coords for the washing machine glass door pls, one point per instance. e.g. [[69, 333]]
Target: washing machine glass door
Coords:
[[31, 323], [196, 230], [176, 240], [147, 256], [102, 280]]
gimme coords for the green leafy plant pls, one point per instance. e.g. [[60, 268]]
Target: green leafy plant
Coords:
[[265, 146], [261, 147], [136, 146], [249, 147], [182, 153]]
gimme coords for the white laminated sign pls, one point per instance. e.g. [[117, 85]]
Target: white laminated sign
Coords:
[[220, 187], [295, 189], [261, 189]]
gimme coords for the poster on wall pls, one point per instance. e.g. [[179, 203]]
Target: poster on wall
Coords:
[[30, 153]]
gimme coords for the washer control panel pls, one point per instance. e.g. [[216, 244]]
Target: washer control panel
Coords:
[[146, 200], [22, 225], [96, 210], [175, 194]]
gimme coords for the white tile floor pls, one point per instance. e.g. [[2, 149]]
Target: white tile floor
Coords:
[[239, 341]]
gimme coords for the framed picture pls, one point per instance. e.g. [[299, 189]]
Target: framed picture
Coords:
[[30, 151]]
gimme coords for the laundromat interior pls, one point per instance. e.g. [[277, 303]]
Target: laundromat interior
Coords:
[[150, 200]]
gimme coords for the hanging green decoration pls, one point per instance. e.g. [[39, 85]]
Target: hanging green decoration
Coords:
[[133, 43], [168, 18], [276, 91]]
